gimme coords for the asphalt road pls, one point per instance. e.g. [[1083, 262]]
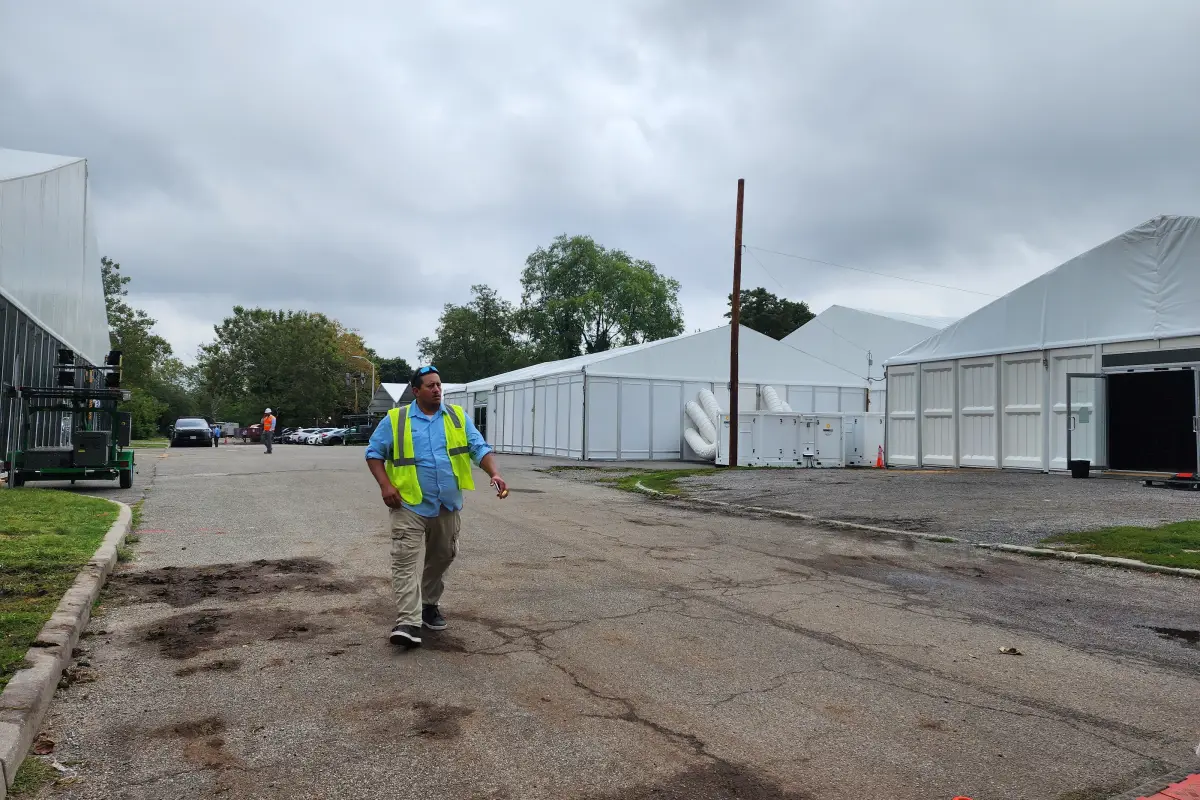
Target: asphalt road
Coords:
[[603, 645]]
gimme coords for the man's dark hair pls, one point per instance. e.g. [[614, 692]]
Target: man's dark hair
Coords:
[[418, 377]]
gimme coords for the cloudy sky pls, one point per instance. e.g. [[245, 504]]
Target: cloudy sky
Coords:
[[372, 163]]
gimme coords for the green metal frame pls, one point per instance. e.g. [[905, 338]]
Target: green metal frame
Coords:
[[88, 408]]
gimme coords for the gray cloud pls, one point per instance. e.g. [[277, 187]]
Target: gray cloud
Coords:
[[374, 162]]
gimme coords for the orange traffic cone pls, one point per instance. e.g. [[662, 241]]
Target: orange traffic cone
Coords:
[[879, 458]]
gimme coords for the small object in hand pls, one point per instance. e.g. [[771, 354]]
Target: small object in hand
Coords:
[[501, 493], [1011, 651]]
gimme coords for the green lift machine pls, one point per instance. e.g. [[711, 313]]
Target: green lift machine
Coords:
[[72, 431]]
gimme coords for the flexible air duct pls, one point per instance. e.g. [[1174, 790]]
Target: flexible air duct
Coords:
[[709, 402], [704, 426], [774, 404], [706, 450]]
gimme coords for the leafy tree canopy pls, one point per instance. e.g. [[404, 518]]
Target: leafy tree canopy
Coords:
[[577, 294], [476, 340], [768, 314]]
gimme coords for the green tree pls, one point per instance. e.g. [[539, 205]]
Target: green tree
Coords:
[[474, 341], [290, 361], [774, 316], [149, 369], [392, 370], [576, 294]]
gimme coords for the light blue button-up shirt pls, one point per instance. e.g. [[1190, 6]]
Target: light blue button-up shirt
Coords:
[[439, 488]]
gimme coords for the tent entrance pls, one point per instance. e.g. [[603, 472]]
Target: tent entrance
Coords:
[[1152, 420]]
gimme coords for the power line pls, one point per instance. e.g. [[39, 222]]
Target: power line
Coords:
[[815, 319], [869, 272]]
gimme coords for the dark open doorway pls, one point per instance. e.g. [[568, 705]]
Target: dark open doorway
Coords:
[[1150, 421]]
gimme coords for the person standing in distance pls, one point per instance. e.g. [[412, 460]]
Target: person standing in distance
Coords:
[[420, 455], [268, 429]]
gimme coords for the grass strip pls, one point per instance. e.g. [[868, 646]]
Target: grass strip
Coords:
[[46, 536], [1173, 545]]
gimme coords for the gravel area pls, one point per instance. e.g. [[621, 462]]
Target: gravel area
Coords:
[[975, 505]]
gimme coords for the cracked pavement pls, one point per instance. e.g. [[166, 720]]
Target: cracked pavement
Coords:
[[603, 645]]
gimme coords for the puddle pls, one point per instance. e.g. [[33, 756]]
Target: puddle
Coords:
[[1184, 637], [439, 722]]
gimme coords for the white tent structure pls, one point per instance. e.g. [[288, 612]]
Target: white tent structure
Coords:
[[859, 341], [1097, 360], [628, 403]]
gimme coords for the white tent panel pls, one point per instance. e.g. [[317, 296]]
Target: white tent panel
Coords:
[[977, 428], [902, 416], [1023, 421], [938, 442], [634, 431], [49, 260], [603, 418], [666, 423]]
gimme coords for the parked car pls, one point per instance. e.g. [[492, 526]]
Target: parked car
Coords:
[[335, 436], [359, 434], [299, 435], [191, 432], [315, 436]]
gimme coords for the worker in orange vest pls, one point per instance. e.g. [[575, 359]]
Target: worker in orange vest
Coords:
[[268, 429]]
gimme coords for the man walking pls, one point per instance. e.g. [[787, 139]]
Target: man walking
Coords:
[[216, 433], [268, 429], [421, 456]]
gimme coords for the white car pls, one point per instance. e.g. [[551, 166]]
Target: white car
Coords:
[[315, 436], [299, 436]]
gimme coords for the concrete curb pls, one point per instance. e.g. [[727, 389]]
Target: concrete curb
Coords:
[[27, 697], [1040, 552], [1109, 561]]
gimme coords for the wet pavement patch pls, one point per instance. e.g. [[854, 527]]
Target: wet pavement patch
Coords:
[[186, 586], [190, 634], [1184, 637], [203, 744], [439, 722], [711, 782]]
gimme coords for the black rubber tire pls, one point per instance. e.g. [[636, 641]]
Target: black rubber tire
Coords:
[[126, 479], [17, 480]]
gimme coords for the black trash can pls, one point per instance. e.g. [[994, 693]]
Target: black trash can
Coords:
[[1080, 468]]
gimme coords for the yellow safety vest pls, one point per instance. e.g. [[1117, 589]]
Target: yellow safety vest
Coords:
[[402, 466]]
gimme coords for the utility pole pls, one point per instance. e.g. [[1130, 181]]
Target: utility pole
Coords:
[[734, 321]]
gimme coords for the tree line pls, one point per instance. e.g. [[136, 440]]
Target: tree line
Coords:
[[577, 297]]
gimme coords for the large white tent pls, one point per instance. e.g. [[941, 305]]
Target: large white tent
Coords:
[[628, 403], [992, 389], [859, 341]]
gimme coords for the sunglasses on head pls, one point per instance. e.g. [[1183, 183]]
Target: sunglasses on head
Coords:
[[423, 371]]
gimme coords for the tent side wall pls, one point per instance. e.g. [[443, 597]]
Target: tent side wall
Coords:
[[1006, 411], [620, 418]]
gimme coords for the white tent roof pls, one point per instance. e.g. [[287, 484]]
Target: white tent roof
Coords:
[[843, 336], [22, 164], [702, 356], [1144, 284]]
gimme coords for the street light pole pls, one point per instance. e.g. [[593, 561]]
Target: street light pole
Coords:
[[372, 395]]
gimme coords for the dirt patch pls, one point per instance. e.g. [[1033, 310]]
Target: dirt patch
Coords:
[[220, 665], [525, 565], [203, 743], [189, 634], [193, 728], [443, 642], [710, 782], [186, 586], [439, 722], [927, 724]]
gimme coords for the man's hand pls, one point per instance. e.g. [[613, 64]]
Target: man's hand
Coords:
[[390, 496], [500, 485]]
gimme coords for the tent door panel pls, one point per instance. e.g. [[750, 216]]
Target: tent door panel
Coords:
[[1152, 421]]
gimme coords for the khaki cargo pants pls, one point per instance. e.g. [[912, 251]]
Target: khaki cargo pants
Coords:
[[422, 550]]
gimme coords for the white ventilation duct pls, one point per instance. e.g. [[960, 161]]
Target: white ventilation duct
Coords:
[[709, 402], [706, 450], [704, 425], [774, 404]]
